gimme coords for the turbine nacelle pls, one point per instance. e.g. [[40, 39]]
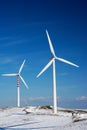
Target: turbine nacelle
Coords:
[[52, 58]]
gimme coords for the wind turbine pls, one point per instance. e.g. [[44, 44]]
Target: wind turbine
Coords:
[[18, 81], [52, 62]]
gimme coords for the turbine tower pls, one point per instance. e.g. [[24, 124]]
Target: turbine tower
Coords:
[[18, 81], [52, 62]]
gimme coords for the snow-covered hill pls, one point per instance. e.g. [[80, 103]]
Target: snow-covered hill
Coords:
[[39, 118]]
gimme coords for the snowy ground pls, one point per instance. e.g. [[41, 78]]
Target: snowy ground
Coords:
[[39, 119]]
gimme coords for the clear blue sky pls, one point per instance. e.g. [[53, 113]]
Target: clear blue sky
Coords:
[[22, 36]]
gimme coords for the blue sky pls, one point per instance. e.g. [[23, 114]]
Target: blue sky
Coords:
[[22, 36]]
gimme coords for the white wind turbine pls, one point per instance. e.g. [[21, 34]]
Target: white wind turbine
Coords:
[[52, 61], [18, 82]]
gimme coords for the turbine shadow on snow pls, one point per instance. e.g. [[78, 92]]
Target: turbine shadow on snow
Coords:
[[37, 127], [10, 127]]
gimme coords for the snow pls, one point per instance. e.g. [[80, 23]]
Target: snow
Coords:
[[40, 119]]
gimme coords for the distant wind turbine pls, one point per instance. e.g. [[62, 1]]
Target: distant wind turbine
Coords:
[[18, 81], [52, 61]]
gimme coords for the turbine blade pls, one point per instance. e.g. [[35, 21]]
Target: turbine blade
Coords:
[[50, 44], [65, 61], [9, 74], [21, 67], [24, 82], [46, 67]]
